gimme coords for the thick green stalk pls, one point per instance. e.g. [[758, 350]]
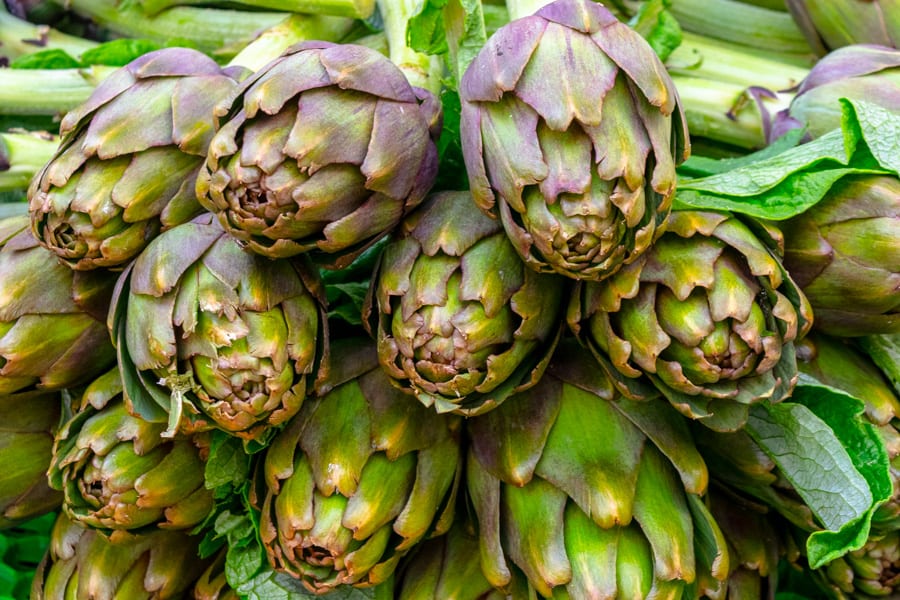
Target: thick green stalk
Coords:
[[708, 58], [215, 30], [741, 23], [19, 37], [21, 156], [725, 112], [295, 28], [421, 70], [47, 91], [522, 8], [354, 9]]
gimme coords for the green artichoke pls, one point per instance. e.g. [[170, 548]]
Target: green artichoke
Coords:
[[116, 471], [323, 150], [461, 322], [358, 477], [571, 129], [447, 566], [52, 332], [212, 584], [128, 159], [708, 314], [84, 564], [589, 495], [845, 255], [28, 423], [209, 335], [869, 573], [836, 23]]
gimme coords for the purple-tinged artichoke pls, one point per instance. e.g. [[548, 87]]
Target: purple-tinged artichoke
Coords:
[[128, 159], [708, 314], [324, 150], [360, 476], [586, 494], [209, 335], [571, 129], [860, 72], [117, 472], [844, 253], [462, 323], [85, 564], [830, 24], [52, 331]]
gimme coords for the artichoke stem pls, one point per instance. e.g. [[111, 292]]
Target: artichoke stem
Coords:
[[292, 30], [420, 69], [741, 23], [725, 112], [19, 37], [21, 156], [47, 91], [353, 9]]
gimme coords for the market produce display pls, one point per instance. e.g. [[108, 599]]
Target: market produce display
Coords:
[[470, 299]]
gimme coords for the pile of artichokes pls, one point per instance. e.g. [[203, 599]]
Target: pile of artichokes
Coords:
[[450, 299]]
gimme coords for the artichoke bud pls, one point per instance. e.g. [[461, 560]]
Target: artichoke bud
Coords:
[[589, 494], [460, 321], [579, 166], [211, 336], [865, 574], [843, 252], [859, 72], [116, 470], [321, 151], [708, 315], [360, 476], [28, 423], [52, 332], [84, 563], [838, 23], [101, 198]]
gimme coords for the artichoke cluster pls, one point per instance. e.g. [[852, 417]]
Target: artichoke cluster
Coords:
[[252, 342]]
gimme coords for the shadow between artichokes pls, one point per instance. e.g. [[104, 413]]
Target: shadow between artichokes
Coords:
[[708, 315]]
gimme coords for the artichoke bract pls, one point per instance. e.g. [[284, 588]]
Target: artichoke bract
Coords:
[[837, 23], [359, 476], [460, 321], [128, 159], [862, 72], [83, 563], [571, 129], [52, 331], [708, 314], [209, 335], [844, 252], [28, 423], [589, 495], [324, 149], [865, 574], [117, 472]]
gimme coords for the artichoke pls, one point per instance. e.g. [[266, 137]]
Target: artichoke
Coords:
[[128, 159], [117, 472], [359, 476], [844, 253], [52, 332], [28, 423], [447, 566], [836, 23], [209, 335], [571, 129], [461, 322], [323, 150], [871, 572], [589, 495], [212, 584], [83, 563], [860, 72], [708, 314]]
